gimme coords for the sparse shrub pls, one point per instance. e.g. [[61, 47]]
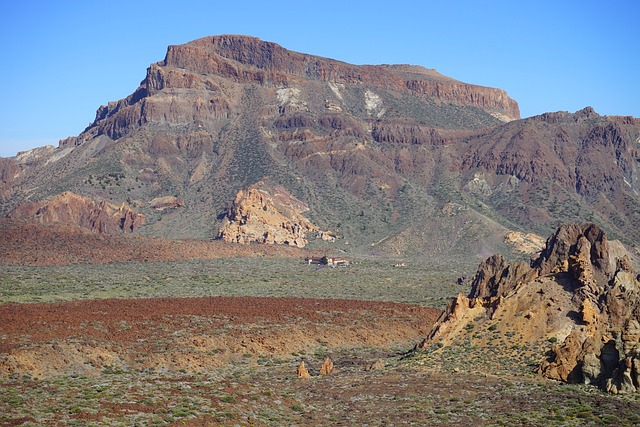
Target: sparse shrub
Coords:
[[228, 399]]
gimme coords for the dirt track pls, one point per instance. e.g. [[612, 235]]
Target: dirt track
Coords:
[[193, 333]]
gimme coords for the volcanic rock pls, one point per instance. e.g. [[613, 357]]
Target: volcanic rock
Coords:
[[570, 295], [302, 371], [267, 214], [96, 216], [378, 151]]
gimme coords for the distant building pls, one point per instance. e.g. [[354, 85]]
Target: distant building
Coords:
[[331, 261]]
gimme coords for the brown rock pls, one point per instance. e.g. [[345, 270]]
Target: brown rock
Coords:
[[302, 371], [599, 345], [267, 214], [589, 312], [327, 366], [97, 216], [496, 277]]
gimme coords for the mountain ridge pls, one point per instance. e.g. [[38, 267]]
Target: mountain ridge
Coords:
[[379, 152]]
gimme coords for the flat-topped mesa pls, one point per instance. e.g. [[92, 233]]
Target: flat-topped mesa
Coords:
[[269, 63], [200, 67]]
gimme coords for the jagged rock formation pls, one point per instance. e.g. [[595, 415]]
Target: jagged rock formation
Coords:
[[266, 214], [582, 292], [96, 216]]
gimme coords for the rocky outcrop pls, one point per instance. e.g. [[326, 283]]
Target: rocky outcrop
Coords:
[[327, 366], [166, 202], [302, 371], [96, 216], [267, 214], [8, 171], [575, 294]]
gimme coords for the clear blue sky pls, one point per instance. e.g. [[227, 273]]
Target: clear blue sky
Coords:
[[61, 60]]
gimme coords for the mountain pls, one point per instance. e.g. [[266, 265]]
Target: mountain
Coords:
[[389, 158]]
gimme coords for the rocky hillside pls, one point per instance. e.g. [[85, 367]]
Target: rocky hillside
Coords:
[[399, 158], [266, 214], [97, 216], [581, 294]]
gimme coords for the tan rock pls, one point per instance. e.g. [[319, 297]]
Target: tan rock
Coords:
[[327, 366], [528, 243], [302, 371], [589, 312], [573, 275], [267, 214]]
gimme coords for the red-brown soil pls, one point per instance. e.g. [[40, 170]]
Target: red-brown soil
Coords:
[[193, 333], [29, 243]]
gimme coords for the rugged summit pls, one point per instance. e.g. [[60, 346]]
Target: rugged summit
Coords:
[[400, 158], [582, 293]]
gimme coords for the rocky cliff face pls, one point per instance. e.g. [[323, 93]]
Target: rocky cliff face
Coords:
[[576, 150], [582, 293], [267, 214], [544, 168], [97, 216], [187, 86]]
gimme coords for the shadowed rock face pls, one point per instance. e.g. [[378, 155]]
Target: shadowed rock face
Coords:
[[600, 343]]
